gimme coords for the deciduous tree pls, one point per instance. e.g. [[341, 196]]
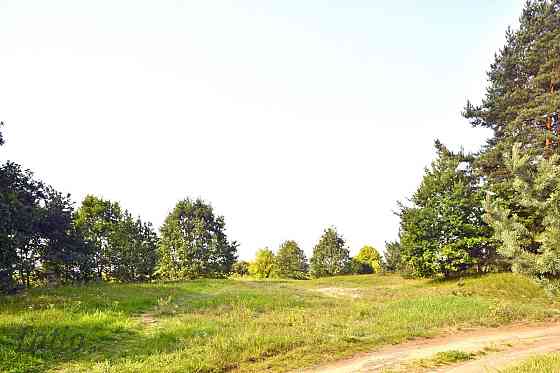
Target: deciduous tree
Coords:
[[194, 243], [291, 261], [392, 256], [369, 260], [330, 257], [442, 232], [263, 266]]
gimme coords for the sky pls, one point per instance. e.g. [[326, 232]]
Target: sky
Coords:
[[288, 116]]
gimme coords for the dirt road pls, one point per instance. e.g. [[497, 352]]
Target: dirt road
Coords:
[[507, 345]]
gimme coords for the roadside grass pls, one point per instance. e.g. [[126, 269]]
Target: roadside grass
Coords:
[[549, 363], [438, 360], [445, 358], [246, 325]]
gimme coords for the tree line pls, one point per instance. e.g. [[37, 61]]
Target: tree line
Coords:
[[331, 257], [497, 209], [494, 210], [46, 240]]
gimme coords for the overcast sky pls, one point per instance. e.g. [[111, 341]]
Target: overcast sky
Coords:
[[288, 116]]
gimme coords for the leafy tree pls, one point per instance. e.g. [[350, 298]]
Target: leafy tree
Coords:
[[264, 264], [291, 261], [369, 260], [330, 256], [64, 252], [194, 244], [124, 248], [240, 268], [442, 233], [35, 228], [43, 240], [20, 201], [97, 220], [392, 256], [37, 235], [133, 246], [531, 242]]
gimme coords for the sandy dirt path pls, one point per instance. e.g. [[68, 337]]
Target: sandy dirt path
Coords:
[[514, 343]]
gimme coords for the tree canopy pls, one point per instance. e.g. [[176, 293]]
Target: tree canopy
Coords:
[[392, 256], [290, 261], [264, 265], [330, 257], [522, 97], [531, 242], [442, 232], [193, 243], [368, 260], [37, 233], [518, 164], [123, 248]]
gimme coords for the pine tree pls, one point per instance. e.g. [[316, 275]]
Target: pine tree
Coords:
[[523, 92], [531, 241]]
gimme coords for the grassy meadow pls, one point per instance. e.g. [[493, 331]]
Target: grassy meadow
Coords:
[[244, 325], [539, 364]]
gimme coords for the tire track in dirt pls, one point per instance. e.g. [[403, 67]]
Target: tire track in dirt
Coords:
[[517, 343]]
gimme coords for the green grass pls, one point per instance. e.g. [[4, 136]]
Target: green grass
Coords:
[[438, 360], [445, 358], [246, 326], [539, 364]]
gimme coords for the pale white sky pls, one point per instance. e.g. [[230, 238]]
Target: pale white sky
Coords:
[[288, 116]]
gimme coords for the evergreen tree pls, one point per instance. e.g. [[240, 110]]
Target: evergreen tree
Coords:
[[521, 107], [532, 241], [442, 233], [291, 261], [522, 95], [194, 244], [330, 256]]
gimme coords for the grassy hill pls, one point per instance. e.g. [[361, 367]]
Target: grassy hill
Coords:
[[242, 325]]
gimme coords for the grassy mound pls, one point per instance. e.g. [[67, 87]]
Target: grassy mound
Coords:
[[242, 325]]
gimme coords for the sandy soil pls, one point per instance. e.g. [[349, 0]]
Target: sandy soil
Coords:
[[515, 343]]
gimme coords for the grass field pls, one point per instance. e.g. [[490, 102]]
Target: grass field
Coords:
[[246, 326], [539, 364]]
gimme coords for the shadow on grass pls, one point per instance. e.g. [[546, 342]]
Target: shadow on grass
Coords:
[[37, 348], [463, 276]]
